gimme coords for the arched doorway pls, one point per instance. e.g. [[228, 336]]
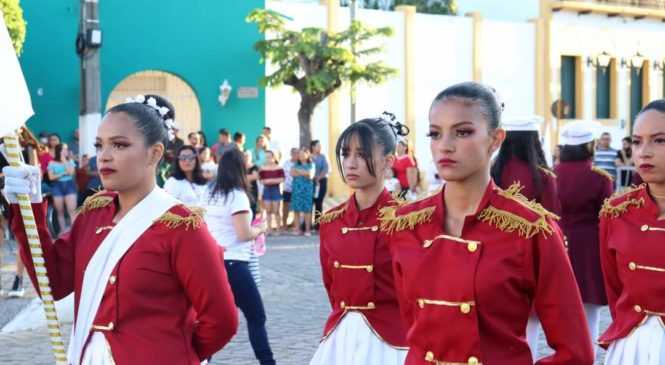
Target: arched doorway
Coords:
[[168, 85]]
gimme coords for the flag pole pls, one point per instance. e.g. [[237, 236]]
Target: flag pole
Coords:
[[58, 345]]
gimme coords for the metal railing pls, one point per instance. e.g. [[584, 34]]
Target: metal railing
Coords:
[[646, 4]]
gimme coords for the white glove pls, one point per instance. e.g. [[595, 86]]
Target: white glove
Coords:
[[25, 179]]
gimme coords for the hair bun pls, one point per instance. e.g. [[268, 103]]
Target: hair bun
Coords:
[[398, 128], [164, 112]]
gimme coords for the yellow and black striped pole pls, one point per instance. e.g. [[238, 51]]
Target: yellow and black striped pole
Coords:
[[14, 159]]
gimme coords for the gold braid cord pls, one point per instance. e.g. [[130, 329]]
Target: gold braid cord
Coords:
[[602, 172], [612, 211], [391, 222], [172, 221], [332, 214], [95, 201]]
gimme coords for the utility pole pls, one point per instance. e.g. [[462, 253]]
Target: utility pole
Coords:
[[352, 6], [88, 42]]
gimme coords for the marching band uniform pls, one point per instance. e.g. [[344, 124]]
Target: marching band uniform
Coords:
[[633, 262], [583, 188], [579, 222], [466, 300], [167, 299], [365, 325]]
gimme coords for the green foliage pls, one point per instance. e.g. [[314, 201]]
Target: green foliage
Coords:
[[446, 7], [315, 62], [13, 16]]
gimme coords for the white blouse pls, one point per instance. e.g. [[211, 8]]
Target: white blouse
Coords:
[[188, 193]]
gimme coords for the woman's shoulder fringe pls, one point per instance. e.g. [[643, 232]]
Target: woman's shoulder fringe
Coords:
[[527, 225], [618, 203], [191, 217], [333, 213], [100, 199]]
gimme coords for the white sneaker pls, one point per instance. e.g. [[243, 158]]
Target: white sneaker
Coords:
[[16, 293], [17, 289]]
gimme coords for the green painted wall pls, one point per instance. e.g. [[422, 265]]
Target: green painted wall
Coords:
[[202, 42]]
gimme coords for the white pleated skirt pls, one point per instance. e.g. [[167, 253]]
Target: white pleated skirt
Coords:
[[645, 346], [354, 343]]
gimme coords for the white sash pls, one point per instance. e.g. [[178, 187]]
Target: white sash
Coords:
[[112, 249]]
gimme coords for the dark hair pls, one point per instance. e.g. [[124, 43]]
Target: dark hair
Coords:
[[231, 174], [54, 135], [192, 134], [312, 144], [471, 93], [525, 146], [178, 174], [657, 105], [224, 131], [237, 136], [58, 151], [371, 132], [629, 151], [268, 129], [309, 159], [578, 152], [147, 120], [204, 141]]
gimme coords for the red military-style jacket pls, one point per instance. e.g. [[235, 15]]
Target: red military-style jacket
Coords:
[[633, 261], [357, 269], [167, 301], [467, 300], [583, 188], [518, 171]]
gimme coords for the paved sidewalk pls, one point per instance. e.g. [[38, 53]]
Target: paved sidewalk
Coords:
[[294, 298]]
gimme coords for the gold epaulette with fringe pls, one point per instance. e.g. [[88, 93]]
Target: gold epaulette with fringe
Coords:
[[602, 172], [547, 171], [511, 222], [95, 201], [172, 221], [333, 214], [391, 222], [513, 193], [612, 211]]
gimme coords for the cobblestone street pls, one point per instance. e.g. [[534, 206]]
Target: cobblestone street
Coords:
[[294, 298]]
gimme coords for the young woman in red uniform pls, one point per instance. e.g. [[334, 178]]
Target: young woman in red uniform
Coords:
[[583, 188], [148, 280], [364, 327], [472, 260], [632, 234]]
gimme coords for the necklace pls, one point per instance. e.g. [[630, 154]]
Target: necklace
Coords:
[[657, 196]]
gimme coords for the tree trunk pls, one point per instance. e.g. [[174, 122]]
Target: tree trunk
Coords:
[[305, 114]]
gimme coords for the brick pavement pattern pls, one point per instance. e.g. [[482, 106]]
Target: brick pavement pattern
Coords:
[[294, 298]]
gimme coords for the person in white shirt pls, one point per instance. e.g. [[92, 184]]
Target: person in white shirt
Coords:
[[288, 184], [186, 182], [208, 165], [228, 216], [391, 183]]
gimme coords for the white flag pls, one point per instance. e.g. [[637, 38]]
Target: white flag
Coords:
[[15, 104]]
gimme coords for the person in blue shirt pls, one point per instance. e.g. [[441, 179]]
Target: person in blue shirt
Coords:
[[61, 172]]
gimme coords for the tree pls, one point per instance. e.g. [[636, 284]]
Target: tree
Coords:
[[315, 62], [13, 15], [445, 7]]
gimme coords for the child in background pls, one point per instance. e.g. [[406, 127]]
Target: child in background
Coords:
[[391, 183]]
